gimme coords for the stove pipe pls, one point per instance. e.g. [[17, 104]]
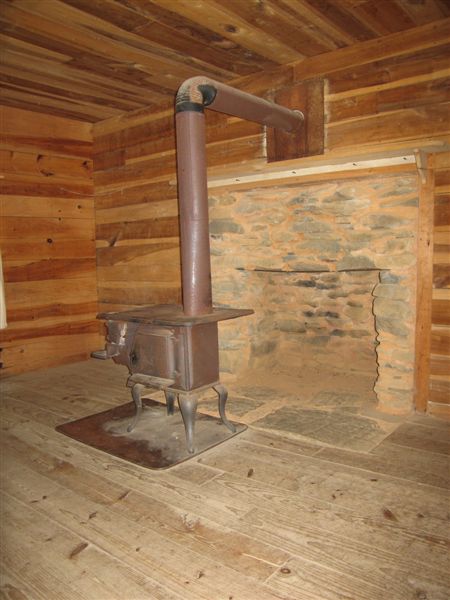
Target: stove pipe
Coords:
[[193, 96]]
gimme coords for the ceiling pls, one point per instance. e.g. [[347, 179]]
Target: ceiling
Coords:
[[94, 59]]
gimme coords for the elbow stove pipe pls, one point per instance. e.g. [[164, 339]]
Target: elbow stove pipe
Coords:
[[193, 96]]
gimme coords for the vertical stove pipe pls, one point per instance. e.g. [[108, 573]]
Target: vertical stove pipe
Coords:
[[193, 203], [193, 95]]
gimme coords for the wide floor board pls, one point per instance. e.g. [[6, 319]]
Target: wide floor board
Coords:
[[263, 516]]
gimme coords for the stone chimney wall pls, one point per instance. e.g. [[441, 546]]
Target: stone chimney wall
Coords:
[[330, 270]]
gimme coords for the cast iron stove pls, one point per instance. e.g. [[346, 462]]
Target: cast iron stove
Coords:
[[165, 349]]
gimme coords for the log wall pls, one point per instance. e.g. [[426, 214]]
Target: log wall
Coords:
[[439, 386], [47, 241], [380, 98]]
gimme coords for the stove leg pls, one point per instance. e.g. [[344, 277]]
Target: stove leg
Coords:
[[136, 392], [223, 395], [170, 401], [188, 407]]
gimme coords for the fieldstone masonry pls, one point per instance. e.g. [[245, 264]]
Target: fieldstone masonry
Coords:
[[330, 270]]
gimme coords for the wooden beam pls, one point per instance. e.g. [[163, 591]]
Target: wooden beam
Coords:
[[396, 44], [424, 286], [421, 162], [295, 174], [310, 139], [238, 171]]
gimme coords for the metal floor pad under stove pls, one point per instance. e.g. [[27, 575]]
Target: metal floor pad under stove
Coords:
[[158, 440]]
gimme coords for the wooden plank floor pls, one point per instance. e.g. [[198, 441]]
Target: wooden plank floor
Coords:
[[262, 517]]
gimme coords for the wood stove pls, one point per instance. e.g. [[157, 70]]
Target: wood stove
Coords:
[[170, 347], [165, 349]]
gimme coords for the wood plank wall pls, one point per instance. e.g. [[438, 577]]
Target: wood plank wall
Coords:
[[47, 241], [380, 97], [439, 387]]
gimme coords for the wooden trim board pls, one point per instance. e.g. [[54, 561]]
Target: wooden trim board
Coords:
[[424, 282]]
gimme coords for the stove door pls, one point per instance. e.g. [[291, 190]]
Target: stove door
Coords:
[[153, 352]]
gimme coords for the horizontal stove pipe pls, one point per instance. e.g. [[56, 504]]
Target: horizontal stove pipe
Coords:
[[193, 96]]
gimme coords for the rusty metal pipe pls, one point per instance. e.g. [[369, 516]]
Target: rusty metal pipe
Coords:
[[194, 225], [193, 96], [223, 98]]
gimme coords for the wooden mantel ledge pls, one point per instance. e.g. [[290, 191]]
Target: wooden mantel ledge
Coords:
[[261, 173], [267, 177]]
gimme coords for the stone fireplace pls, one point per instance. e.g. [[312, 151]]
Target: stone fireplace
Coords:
[[330, 270]]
